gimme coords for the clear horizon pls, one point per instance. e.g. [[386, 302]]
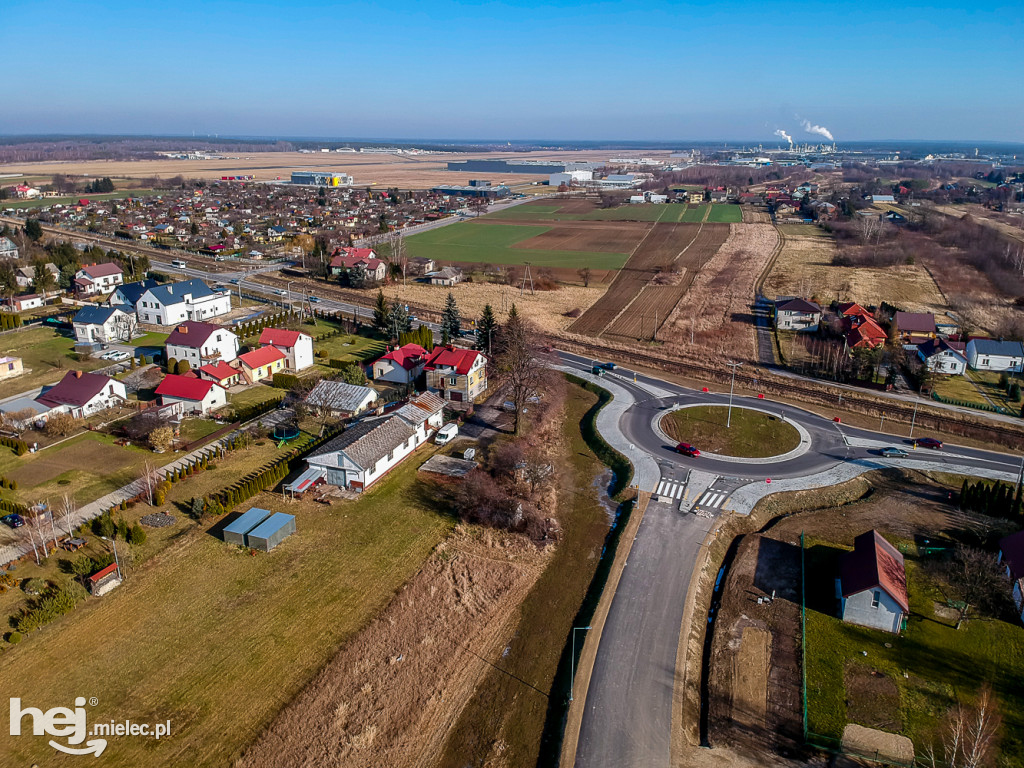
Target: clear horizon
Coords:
[[736, 71]]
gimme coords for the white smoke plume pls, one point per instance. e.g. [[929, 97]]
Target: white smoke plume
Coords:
[[821, 130], [786, 136]]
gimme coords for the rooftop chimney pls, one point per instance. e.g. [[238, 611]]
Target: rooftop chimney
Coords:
[[78, 374]]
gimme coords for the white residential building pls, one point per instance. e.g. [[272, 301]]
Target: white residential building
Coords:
[[197, 396], [201, 344], [296, 346], [83, 394], [366, 451], [97, 279], [993, 355], [103, 325], [188, 300]]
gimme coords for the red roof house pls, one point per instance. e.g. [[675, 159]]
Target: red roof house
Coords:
[[221, 373], [261, 363], [456, 374], [196, 395], [402, 365], [349, 258], [296, 346], [873, 584]]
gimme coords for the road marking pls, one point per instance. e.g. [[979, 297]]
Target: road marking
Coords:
[[679, 492], [661, 487]]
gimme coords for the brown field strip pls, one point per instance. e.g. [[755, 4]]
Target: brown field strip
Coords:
[[585, 238]]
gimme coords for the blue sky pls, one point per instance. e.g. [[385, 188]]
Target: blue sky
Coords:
[[514, 70]]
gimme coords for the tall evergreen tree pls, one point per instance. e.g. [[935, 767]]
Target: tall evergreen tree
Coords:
[[963, 494], [380, 314], [426, 339], [486, 330], [451, 321]]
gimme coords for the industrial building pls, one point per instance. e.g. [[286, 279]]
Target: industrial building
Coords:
[[536, 167], [570, 177], [322, 178], [473, 189]]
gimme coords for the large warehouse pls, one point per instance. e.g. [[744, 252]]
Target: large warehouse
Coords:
[[537, 167], [321, 178]]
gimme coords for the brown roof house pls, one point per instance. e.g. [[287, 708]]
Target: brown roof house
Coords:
[[1011, 556], [872, 584], [914, 327]]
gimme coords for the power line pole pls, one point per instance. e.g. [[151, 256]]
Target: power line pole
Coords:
[[732, 386]]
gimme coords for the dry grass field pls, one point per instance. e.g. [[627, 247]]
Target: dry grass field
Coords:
[[405, 171]]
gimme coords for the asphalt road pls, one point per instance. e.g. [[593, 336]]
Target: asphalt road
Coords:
[[627, 718]]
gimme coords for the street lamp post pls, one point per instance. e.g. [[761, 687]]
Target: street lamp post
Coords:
[[291, 306], [572, 660], [732, 386], [912, 420], [113, 545]]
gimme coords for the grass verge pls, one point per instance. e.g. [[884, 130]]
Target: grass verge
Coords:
[[751, 434]]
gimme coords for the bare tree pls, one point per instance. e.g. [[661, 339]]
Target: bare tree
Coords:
[[148, 481], [970, 579], [18, 421], [125, 327], [518, 365], [967, 735], [68, 508], [584, 276], [328, 402]]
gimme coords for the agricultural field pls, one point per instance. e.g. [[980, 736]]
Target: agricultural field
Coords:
[[725, 213], [476, 243], [46, 355], [588, 210]]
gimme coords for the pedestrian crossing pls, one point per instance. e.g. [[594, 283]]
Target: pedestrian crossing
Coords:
[[712, 498], [671, 489]]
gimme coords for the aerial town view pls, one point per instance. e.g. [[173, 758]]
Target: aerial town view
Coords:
[[594, 397]]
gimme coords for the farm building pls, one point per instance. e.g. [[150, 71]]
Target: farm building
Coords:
[[425, 411], [235, 532], [271, 532], [873, 584]]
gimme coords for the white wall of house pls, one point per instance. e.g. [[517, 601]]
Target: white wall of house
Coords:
[[300, 356], [152, 311], [873, 608], [797, 321], [221, 345], [387, 370], [94, 332], [980, 362], [113, 393], [214, 399], [944, 362], [342, 471]]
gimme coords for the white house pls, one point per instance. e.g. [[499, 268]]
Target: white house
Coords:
[[83, 394], [364, 452], [449, 276], [873, 584], [402, 365], [103, 324], [943, 356], [296, 346], [340, 399], [26, 276], [23, 303], [130, 293], [8, 250], [201, 344], [188, 300], [793, 314], [993, 355], [195, 395], [98, 278]]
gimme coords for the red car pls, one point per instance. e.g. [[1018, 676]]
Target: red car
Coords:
[[928, 442], [687, 450]]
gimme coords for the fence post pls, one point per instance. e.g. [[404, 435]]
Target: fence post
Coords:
[[803, 629]]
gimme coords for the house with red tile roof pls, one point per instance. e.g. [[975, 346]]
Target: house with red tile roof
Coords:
[[345, 259], [402, 365], [219, 373], [261, 363], [196, 395], [873, 584], [296, 346], [83, 394], [456, 374]]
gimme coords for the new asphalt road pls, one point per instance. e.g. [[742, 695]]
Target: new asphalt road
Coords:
[[627, 718]]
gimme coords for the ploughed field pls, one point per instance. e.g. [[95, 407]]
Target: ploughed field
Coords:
[[652, 282]]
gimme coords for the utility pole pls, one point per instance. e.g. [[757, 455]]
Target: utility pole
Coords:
[[912, 420], [732, 386]]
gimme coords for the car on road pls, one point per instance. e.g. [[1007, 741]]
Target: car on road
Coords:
[[118, 355], [14, 520], [282, 292], [315, 300], [928, 442], [234, 281], [894, 453], [597, 370], [179, 263], [687, 450], [608, 366]]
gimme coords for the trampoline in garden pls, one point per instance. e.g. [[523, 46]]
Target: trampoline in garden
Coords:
[[284, 433]]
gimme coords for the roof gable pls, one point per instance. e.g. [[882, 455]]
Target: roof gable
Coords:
[[192, 334], [76, 388], [280, 337], [258, 358], [462, 360], [874, 562], [368, 442], [184, 387]]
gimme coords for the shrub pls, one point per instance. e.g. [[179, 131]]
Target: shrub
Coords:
[[182, 367], [41, 611], [34, 586], [160, 439], [14, 637], [285, 380], [61, 425], [172, 365], [137, 535]]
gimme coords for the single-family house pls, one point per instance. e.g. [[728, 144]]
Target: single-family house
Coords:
[[26, 276], [364, 452], [103, 324], [449, 276], [425, 410], [943, 356], [260, 364], [456, 374], [795, 314], [345, 259], [200, 344], [196, 395], [83, 394], [1011, 557], [340, 399], [97, 279], [914, 327], [8, 250], [420, 265], [130, 293], [173, 303], [296, 346], [873, 584], [402, 365], [220, 373], [995, 355], [10, 367], [23, 303], [882, 199]]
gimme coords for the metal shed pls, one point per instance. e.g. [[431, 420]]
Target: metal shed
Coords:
[[235, 533], [271, 532]]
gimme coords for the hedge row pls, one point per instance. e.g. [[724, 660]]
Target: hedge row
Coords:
[[7, 506], [52, 605], [284, 380], [968, 404], [10, 485], [253, 327], [9, 320], [619, 464], [20, 447]]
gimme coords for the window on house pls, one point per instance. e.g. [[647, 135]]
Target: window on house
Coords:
[[454, 381], [876, 598]]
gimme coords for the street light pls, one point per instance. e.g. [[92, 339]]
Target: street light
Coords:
[[732, 386], [572, 660], [113, 544], [289, 289]]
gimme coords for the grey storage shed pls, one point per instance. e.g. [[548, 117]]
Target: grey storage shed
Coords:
[[271, 532], [235, 533]]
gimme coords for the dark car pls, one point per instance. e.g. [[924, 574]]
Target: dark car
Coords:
[[14, 520], [608, 366], [893, 453], [597, 370], [687, 450], [928, 442]]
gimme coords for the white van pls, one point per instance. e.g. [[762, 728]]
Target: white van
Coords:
[[446, 434], [179, 263]]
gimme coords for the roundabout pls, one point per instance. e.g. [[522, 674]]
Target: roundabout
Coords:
[[742, 434]]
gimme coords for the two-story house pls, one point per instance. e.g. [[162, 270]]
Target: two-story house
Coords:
[[176, 302], [103, 325], [96, 279], [943, 356], [8, 250], [456, 374], [402, 365], [350, 258], [260, 364], [201, 344], [128, 295], [296, 346], [914, 327], [795, 314]]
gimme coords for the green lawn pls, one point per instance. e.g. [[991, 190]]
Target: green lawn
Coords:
[[637, 212], [694, 214], [152, 339], [46, 352], [218, 641], [196, 429], [492, 244], [753, 434], [725, 213], [931, 664], [352, 348], [257, 393]]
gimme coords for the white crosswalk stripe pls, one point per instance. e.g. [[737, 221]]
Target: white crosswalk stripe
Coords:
[[704, 499], [661, 487], [679, 491]]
